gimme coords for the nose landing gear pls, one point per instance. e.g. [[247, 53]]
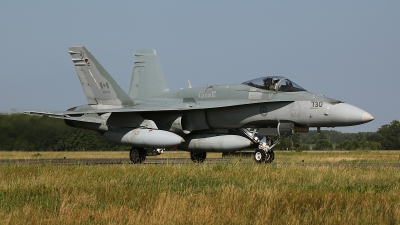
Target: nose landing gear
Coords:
[[264, 153], [260, 156]]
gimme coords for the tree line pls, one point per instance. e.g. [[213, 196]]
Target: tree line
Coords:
[[33, 133], [387, 137]]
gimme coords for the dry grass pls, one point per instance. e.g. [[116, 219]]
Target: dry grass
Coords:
[[339, 157], [281, 156], [229, 193], [60, 155], [90, 155]]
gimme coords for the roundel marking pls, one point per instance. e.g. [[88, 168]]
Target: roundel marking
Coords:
[[263, 111]]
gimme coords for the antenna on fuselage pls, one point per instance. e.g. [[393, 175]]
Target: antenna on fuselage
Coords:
[[189, 84]]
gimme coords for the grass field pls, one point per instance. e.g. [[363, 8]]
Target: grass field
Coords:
[[90, 155], [298, 188]]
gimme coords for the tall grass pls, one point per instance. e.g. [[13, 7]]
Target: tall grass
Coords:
[[199, 194]]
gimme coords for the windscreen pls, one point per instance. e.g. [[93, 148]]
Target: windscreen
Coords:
[[275, 84]]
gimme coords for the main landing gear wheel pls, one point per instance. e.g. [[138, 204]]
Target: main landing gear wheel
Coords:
[[137, 155], [198, 157], [260, 156]]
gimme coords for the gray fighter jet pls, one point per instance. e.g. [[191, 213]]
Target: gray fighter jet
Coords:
[[217, 118]]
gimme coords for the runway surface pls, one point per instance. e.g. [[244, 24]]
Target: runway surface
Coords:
[[164, 161], [98, 161]]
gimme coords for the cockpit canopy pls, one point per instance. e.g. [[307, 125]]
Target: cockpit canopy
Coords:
[[275, 83]]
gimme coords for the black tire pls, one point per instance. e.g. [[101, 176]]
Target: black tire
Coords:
[[269, 157], [143, 154], [137, 155], [259, 156], [198, 157]]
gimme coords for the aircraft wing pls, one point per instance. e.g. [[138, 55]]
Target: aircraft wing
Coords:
[[184, 106], [153, 106]]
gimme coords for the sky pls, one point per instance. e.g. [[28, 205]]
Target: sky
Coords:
[[346, 50]]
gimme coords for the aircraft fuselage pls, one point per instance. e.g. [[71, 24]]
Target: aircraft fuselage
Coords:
[[248, 107]]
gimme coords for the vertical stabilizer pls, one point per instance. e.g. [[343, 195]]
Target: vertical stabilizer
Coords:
[[99, 87], [147, 77]]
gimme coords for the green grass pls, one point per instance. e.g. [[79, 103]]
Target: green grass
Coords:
[[224, 193]]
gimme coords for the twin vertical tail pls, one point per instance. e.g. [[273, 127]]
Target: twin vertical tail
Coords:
[[99, 87], [147, 77]]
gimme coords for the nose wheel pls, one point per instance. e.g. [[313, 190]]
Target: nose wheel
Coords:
[[260, 156], [264, 153]]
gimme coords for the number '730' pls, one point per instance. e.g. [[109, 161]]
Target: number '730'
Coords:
[[317, 104]]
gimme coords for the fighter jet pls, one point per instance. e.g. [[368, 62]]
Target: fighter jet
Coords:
[[217, 118]]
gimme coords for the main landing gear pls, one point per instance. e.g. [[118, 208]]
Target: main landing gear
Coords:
[[137, 155], [198, 157]]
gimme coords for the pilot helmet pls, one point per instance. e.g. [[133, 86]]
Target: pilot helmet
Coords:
[[275, 80]]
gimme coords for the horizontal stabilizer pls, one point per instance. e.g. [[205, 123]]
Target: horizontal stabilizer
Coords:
[[52, 114]]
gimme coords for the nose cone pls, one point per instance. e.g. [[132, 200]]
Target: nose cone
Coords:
[[366, 117], [347, 115]]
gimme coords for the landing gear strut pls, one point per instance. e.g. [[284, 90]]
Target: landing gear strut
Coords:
[[137, 155], [198, 157]]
